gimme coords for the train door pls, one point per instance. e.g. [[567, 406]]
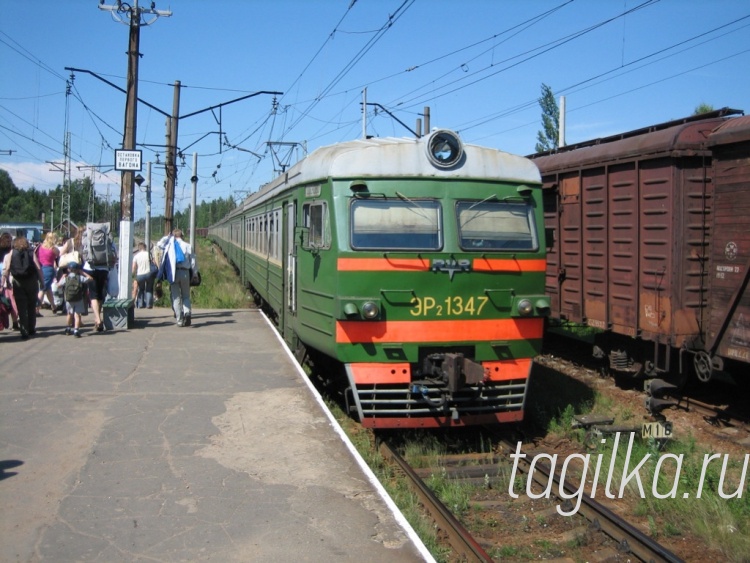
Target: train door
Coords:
[[290, 270], [243, 255]]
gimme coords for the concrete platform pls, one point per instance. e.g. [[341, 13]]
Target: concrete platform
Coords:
[[161, 443]]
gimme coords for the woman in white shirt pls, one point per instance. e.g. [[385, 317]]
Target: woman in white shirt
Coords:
[[144, 277]]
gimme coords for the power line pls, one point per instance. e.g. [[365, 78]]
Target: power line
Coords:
[[590, 81], [528, 55], [392, 19]]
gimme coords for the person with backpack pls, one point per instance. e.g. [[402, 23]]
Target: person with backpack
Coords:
[[100, 255], [74, 282], [21, 266], [177, 265], [6, 289]]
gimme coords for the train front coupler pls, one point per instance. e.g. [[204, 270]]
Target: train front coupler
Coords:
[[454, 370]]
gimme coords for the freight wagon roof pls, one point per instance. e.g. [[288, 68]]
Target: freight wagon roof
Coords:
[[690, 136], [398, 158], [735, 130], [687, 134]]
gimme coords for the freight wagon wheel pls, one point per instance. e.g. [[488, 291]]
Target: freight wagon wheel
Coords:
[[703, 366]]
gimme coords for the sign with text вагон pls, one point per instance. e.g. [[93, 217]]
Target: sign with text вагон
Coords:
[[127, 160]]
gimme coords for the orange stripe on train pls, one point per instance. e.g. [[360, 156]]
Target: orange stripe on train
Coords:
[[380, 264], [367, 373], [379, 373], [352, 332], [505, 370], [423, 264], [508, 265]]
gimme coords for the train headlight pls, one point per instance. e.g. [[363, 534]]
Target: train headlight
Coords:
[[444, 148], [370, 310], [525, 308], [543, 307]]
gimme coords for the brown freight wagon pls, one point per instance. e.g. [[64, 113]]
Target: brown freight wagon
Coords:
[[629, 228], [728, 339]]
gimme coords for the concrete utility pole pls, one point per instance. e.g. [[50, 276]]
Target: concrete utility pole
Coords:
[[130, 16], [193, 198], [147, 236]]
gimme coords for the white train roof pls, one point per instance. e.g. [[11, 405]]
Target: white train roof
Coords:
[[385, 157]]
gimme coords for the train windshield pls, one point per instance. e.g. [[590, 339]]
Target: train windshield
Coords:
[[496, 225], [396, 225]]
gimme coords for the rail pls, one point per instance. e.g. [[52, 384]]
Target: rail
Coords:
[[629, 539], [458, 537]]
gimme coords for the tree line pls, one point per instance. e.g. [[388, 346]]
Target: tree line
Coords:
[[34, 205]]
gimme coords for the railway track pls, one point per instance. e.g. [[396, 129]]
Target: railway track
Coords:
[[464, 545], [627, 540], [716, 415]]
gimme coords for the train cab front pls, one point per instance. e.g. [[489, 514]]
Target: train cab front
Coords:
[[439, 304]]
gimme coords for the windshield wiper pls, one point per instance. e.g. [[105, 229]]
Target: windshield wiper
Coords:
[[489, 197], [423, 211]]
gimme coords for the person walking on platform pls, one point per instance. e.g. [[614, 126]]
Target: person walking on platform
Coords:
[[75, 293], [99, 254], [21, 266], [48, 254], [178, 263], [6, 289], [144, 277]]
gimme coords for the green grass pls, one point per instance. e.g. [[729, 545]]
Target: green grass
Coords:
[[722, 524], [573, 330]]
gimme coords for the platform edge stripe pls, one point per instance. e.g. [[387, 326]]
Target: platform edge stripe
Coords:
[[398, 515]]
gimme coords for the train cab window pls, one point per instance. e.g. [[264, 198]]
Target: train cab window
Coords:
[[396, 225], [496, 226], [316, 220]]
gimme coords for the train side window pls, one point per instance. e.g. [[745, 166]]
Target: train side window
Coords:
[[396, 225], [316, 221], [496, 226]]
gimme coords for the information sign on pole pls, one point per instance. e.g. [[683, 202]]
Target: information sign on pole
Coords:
[[127, 160]]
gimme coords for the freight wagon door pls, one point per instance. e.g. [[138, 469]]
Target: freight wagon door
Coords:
[[729, 321], [622, 248], [552, 231], [571, 242]]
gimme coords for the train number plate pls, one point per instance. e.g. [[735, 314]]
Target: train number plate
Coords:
[[656, 430]]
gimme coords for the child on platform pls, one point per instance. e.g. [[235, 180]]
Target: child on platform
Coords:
[[75, 293]]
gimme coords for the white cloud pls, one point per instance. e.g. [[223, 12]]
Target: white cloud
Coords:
[[45, 177]]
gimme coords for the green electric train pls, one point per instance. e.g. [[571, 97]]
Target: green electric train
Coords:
[[415, 265]]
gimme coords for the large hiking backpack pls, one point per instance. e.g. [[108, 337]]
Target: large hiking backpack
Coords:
[[22, 264], [98, 248], [74, 288]]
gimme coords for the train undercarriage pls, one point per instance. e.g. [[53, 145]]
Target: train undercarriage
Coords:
[[624, 357]]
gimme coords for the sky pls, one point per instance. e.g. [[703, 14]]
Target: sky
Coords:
[[477, 65]]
